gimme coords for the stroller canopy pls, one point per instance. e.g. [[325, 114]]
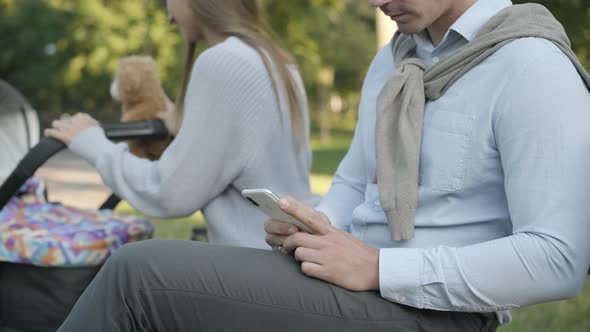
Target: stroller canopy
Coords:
[[10, 99], [19, 128]]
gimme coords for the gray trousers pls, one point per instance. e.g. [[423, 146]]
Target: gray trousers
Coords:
[[169, 285]]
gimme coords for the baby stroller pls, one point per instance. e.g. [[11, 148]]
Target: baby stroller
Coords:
[[50, 252]]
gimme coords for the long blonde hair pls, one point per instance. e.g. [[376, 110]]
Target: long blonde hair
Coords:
[[245, 20]]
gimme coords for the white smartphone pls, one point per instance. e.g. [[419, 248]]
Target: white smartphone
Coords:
[[268, 202]]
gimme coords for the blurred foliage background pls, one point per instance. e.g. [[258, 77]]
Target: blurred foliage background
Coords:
[[62, 54]]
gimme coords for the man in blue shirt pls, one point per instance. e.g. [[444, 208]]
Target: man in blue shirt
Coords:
[[502, 217], [502, 180]]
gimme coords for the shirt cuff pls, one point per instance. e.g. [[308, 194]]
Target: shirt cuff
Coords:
[[399, 276], [90, 143]]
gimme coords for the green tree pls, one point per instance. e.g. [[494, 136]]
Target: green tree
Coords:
[[27, 53], [62, 54], [333, 41]]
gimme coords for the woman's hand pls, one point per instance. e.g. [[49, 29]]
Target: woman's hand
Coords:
[[170, 117], [67, 128]]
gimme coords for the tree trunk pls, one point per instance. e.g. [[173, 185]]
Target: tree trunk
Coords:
[[326, 83]]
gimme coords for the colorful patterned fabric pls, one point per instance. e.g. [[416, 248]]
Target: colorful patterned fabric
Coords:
[[33, 231]]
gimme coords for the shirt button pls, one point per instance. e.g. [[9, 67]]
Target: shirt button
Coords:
[[435, 59], [377, 203]]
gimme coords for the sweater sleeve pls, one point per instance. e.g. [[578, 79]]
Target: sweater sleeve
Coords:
[[208, 153]]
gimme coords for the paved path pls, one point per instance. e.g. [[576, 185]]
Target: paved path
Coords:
[[72, 181]]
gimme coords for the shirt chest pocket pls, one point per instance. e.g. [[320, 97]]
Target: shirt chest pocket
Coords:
[[446, 139]]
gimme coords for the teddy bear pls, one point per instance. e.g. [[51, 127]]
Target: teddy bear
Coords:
[[138, 88]]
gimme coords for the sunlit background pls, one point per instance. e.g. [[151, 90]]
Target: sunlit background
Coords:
[[61, 54]]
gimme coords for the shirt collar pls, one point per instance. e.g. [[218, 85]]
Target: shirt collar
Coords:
[[468, 25], [477, 16]]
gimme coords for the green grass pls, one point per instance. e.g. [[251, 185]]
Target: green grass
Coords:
[[169, 228], [327, 156], [571, 315]]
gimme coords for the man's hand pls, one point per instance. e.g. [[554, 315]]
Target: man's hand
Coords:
[[277, 232], [330, 254], [67, 128]]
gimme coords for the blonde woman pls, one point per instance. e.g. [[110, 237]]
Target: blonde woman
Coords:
[[245, 126]]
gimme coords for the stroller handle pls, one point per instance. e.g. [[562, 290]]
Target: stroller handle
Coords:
[[136, 129], [36, 157], [48, 147]]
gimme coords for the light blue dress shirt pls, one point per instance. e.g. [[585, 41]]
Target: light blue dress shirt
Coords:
[[503, 215]]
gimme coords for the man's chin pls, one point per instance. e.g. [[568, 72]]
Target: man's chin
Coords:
[[408, 28], [406, 23]]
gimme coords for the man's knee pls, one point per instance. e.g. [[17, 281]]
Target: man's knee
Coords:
[[135, 258], [134, 252], [149, 257]]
